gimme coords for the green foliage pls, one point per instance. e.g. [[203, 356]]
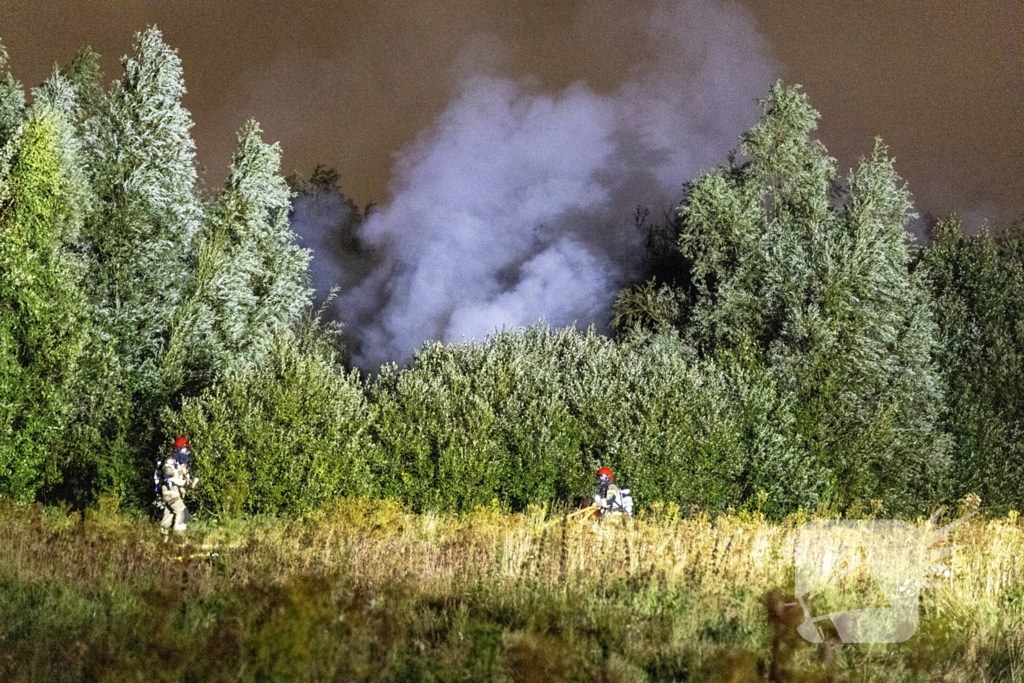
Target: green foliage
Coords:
[[139, 243], [178, 293], [58, 96], [283, 435], [12, 101], [251, 277], [42, 310], [977, 286], [85, 77], [812, 276], [651, 306], [780, 349], [467, 424], [528, 416]]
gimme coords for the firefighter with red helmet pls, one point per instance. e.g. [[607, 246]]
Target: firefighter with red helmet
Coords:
[[610, 499], [172, 477]]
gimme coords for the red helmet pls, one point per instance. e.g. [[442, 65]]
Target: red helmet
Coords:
[[180, 441], [605, 470]]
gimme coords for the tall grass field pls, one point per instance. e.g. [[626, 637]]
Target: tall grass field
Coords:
[[368, 591]]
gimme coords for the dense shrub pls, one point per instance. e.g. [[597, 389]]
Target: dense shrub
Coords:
[[528, 416], [284, 435], [466, 424]]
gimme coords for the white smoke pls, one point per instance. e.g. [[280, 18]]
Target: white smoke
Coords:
[[516, 204]]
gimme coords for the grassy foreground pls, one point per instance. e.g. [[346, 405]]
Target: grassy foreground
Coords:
[[365, 591]]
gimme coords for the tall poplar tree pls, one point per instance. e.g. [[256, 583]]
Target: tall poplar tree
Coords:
[[43, 314], [809, 276], [12, 100], [251, 282], [138, 242]]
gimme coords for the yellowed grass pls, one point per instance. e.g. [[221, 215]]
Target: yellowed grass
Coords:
[[725, 566], [381, 539], [549, 546]]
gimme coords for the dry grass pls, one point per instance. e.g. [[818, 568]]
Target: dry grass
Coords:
[[365, 590]]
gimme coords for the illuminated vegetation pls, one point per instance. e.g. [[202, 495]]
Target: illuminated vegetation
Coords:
[[792, 352], [368, 591]]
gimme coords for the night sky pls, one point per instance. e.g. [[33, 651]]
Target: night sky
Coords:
[[349, 84]]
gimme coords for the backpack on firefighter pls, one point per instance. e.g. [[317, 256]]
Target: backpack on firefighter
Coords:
[[158, 476]]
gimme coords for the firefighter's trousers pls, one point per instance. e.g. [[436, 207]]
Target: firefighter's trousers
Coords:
[[175, 513]]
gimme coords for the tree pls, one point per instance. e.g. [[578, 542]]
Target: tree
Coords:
[[809, 277], [654, 301], [43, 314], [139, 248], [977, 289], [145, 179], [328, 221], [251, 280], [12, 101], [85, 78]]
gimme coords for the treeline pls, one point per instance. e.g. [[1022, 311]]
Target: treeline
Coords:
[[123, 287], [789, 346]]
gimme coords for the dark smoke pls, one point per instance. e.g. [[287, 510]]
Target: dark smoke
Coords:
[[516, 204], [326, 221]]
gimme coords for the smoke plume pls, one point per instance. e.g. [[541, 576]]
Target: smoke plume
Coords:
[[516, 204]]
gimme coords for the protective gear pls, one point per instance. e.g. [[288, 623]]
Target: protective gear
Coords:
[[175, 513], [180, 442], [610, 499], [173, 478]]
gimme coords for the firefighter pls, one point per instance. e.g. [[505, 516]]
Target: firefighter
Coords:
[[610, 499], [174, 477]]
